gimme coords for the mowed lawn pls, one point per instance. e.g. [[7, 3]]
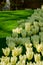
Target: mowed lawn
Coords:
[[10, 20]]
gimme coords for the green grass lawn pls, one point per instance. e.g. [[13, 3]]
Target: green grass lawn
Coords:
[[9, 20]]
